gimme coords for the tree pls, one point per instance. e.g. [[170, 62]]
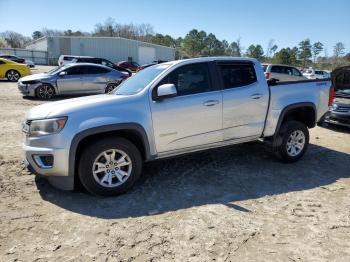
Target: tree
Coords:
[[305, 52], [274, 49], [347, 57], [287, 56], [14, 39], [235, 48], [194, 43], [51, 32], [3, 43], [316, 50], [338, 50], [255, 52], [37, 35]]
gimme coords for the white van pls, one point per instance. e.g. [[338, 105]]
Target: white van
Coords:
[[66, 59]]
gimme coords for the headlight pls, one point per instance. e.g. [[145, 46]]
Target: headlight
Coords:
[[46, 126]]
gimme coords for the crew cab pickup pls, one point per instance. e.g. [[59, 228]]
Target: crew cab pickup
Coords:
[[166, 110]]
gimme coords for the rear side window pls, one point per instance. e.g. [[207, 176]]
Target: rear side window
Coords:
[[190, 79], [68, 58], [296, 72], [95, 70], [237, 75]]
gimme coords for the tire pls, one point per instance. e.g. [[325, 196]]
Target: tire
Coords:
[[45, 92], [113, 179], [291, 142], [110, 87], [13, 75]]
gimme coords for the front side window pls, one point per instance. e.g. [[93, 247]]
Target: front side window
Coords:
[[237, 75], [74, 70], [189, 79]]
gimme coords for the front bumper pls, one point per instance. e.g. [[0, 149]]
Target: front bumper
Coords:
[[26, 89], [58, 171], [337, 118]]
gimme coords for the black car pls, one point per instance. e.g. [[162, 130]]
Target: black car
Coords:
[[151, 64], [13, 58], [101, 61], [339, 112]]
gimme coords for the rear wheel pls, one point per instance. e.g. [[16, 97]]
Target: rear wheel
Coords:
[[13, 75], [110, 167], [45, 92], [291, 142], [110, 87]]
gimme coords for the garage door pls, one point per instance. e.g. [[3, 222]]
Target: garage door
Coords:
[[146, 54]]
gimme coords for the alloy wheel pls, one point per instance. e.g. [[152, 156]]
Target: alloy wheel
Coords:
[[112, 168], [45, 92], [295, 143], [13, 75]]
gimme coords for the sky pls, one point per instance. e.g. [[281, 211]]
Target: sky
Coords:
[[253, 21]]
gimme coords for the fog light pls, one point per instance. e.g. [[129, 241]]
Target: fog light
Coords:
[[43, 161]]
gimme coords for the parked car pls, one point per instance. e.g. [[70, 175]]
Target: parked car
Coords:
[[315, 74], [339, 113], [13, 58], [12, 70], [71, 79], [30, 63], [151, 64], [282, 72], [66, 59], [166, 110], [132, 66], [102, 61]]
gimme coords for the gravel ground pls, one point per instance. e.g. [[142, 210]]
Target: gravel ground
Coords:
[[231, 204]]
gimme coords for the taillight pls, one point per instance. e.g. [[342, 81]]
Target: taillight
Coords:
[[267, 75], [331, 96]]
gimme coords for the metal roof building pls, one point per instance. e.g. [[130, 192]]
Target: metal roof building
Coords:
[[112, 48]]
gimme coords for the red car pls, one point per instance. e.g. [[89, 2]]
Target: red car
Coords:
[[133, 66]]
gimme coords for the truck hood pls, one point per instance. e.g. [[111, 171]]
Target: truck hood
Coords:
[[36, 77], [67, 107]]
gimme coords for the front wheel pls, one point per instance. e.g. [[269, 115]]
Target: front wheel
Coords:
[[45, 92], [293, 140], [13, 75], [110, 166]]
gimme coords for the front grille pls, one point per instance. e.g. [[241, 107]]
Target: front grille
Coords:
[[342, 109]]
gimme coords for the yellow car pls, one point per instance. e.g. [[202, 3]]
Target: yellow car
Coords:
[[12, 70]]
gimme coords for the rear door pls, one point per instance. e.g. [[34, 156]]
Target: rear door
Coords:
[[245, 100], [194, 117], [94, 79]]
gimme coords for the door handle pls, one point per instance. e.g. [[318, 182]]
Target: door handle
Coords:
[[211, 103], [256, 96]]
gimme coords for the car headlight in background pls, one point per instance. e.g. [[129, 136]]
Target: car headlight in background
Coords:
[[45, 126]]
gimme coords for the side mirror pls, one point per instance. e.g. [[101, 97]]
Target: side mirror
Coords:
[[63, 73], [166, 91]]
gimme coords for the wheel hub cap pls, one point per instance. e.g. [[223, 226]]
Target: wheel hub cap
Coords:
[[112, 168], [295, 143]]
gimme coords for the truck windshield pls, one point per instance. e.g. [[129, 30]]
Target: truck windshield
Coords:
[[140, 80]]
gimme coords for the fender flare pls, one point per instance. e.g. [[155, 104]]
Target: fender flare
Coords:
[[102, 129], [292, 107]]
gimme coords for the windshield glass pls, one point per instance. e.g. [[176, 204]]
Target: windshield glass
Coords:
[[140, 80], [56, 69]]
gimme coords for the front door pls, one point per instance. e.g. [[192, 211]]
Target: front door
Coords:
[[194, 117], [71, 82]]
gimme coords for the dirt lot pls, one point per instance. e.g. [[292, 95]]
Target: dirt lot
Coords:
[[232, 204]]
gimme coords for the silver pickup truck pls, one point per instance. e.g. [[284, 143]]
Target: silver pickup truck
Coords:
[[166, 110]]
